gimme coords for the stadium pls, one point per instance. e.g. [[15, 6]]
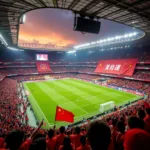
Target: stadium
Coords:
[[74, 74]]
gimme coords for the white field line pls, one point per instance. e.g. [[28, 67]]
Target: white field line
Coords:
[[38, 106]]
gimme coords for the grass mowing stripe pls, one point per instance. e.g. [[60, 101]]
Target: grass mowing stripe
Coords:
[[85, 88], [122, 94], [46, 104], [33, 101], [103, 87], [73, 95], [68, 88]]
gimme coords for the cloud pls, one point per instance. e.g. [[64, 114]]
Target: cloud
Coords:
[[55, 27]]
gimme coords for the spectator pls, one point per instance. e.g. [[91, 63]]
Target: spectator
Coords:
[[141, 114], [67, 145], [2, 140], [76, 138], [147, 118], [83, 146], [38, 144], [60, 137], [134, 122], [14, 140], [137, 139], [99, 135], [51, 141], [120, 136]]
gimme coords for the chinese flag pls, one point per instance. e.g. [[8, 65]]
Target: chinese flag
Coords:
[[64, 115]]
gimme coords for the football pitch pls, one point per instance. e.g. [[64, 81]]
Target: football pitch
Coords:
[[80, 97]]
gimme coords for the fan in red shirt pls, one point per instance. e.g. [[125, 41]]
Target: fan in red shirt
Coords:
[[137, 139], [60, 137], [147, 119], [99, 135], [118, 143], [75, 139], [83, 146], [2, 142], [51, 141], [14, 140], [67, 145]]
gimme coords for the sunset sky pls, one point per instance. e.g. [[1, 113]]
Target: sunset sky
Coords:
[[55, 27]]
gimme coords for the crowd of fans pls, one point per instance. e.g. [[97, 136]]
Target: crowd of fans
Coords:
[[124, 129], [31, 69], [73, 69], [141, 86], [142, 75]]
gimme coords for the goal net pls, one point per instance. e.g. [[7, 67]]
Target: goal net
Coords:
[[106, 106]]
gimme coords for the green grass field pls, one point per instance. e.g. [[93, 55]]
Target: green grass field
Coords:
[[81, 98]]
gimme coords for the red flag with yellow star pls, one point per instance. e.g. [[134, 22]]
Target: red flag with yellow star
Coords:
[[64, 115]]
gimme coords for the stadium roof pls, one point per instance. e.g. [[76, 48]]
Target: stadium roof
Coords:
[[135, 13]]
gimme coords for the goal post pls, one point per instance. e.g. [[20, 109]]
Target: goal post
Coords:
[[106, 106]]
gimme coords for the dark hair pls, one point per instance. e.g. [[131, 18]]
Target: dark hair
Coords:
[[62, 129], [38, 144], [14, 139], [99, 135], [50, 133], [148, 111], [83, 140], [114, 122], [77, 130], [135, 122], [67, 144], [141, 114], [121, 126], [39, 135]]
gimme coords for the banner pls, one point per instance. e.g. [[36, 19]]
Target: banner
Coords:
[[43, 66], [117, 66]]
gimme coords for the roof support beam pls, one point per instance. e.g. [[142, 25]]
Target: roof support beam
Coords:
[[136, 3], [73, 4], [100, 10], [41, 3], [126, 7], [113, 13], [12, 6], [90, 5], [29, 4], [55, 3]]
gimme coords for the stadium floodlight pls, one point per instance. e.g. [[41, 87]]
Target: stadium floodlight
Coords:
[[118, 37], [112, 40], [134, 33], [70, 52], [24, 18], [93, 43], [3, 40], [12, 48], [126, 36], [109, 39]]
